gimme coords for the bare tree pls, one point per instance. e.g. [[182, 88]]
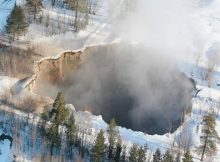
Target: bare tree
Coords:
[[93, 6], [81, 17]]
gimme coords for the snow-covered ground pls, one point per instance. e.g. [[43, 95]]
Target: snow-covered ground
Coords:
[[98, 32]]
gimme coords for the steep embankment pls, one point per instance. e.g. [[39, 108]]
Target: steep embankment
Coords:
[[54, 70]]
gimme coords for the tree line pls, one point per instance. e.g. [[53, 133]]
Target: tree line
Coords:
[[107, 146], [58, 137]]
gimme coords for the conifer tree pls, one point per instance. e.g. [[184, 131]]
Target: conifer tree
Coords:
[[42, 123], [53, 137], [60, 109], [71, 133], [16, 25], [118, 150], [133, 153], [34, 6], [58, 116], [208, 136], [142, 154], [157, 156], [178, 157], [123, 156], [187, 157], [113, 135], [98, 150], [58, 100], [167, 157]]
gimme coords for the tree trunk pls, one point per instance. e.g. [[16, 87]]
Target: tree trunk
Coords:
[[53, 2], [51, 152], [35, 12], [76, 16], [204, 148]]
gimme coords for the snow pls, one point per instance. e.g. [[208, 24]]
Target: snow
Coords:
[[49, 43], [98, 32], [5, 155], [87, 120], [6, 82]]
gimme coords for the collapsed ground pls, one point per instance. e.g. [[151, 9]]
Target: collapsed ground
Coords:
[[44, 38], [105, 81]]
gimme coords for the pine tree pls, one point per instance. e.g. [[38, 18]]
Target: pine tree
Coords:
[[62, 114], [113, 135], [53, 137], [208, 136], [142, 154], [57, 116], [60, 109], [43, 121], [98, 150], [167, 157], [16, 25], [157, 156], [71, 133], [123, 156], [178, 157], [59, 100], [187, 157], [118, 150], [34, 6], [133, 153]]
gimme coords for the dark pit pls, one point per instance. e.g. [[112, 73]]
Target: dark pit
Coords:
[[141, 88]]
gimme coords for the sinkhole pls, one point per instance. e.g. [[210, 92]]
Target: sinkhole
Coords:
[[141, 88]]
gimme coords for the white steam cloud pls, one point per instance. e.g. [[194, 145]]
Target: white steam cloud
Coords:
[[173, 26], [142, 83]]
